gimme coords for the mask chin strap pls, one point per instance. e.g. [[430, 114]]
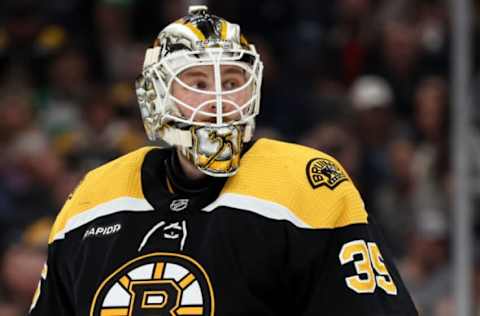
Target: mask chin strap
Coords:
[[248, 132], [176, 137]]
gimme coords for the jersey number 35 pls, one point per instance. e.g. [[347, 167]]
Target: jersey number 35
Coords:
[[370, 268]]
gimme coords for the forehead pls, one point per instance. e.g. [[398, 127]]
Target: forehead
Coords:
[[207, 70]]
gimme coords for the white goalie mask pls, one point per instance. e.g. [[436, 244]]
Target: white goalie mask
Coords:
[[200, 90]]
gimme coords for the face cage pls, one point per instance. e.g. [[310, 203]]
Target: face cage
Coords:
[[169, 68]]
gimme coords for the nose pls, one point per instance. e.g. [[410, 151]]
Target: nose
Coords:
[[211, 107]]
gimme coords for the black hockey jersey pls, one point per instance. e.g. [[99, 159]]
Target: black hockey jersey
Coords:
[[287, 235]]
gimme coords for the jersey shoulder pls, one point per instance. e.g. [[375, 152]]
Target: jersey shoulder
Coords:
[[307, 186], [114, 185]]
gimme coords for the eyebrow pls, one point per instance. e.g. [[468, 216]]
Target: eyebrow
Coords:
[[195, 73], [233, 70], [199, 73]]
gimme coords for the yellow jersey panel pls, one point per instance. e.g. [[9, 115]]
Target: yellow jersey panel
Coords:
[[309, 183], [114, 184]]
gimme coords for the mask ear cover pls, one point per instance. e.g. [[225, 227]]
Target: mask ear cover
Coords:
[[151, 56]]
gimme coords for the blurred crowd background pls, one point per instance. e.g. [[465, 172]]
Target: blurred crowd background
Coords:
[[364, 80]]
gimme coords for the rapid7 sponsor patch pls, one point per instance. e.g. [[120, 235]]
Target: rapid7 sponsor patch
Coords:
[[98, 231]]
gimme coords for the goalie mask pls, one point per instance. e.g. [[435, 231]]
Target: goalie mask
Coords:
[[200, 90]]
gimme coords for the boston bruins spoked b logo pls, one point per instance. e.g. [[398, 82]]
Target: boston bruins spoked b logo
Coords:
[[158, 284], [323, 172]]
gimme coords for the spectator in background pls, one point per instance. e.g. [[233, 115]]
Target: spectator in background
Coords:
[[351, 38], [394, 199], [21, 265], [398, 61], [17, 116], [432, 24], [68, 86], [372, 102], [28, 165], [17, 113], [113, 25], [430, 161], [425, 266], [103, 135], [31, 171], [27, 41], [276, 100]]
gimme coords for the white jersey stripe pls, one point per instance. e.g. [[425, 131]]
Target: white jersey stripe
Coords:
[[262, 207], [107, 208]]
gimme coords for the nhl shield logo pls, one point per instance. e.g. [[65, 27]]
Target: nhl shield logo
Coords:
[[179, 205], [323, 172]]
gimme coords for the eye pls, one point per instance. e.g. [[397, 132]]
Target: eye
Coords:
[[230, 84], [199, 84]]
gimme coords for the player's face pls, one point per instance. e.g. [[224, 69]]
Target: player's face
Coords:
[[203, 99]]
